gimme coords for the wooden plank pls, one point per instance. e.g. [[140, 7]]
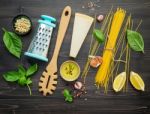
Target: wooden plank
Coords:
[[16, 100]]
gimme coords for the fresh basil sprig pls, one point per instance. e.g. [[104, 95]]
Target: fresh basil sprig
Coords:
[[12, 42], [67, 95], [98, 34], [22, 76], [135, 40]]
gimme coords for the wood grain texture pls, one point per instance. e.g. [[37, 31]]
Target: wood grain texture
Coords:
[[16, 100]]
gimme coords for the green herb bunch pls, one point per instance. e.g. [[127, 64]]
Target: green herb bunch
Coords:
[[21, 76], [67, 95]]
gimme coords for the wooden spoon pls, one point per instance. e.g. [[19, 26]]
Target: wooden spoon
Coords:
[[48, 80]]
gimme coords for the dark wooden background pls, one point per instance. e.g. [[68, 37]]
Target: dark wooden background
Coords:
[[16, 100]]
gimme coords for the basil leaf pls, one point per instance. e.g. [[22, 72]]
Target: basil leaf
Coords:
[[66, 92], [28, 81], [135, 40], [69, 99], [13, 43], [11, 76], [31, 70], [98, 34], [22, 81], [67, 95], [21, 70], [21, 76]]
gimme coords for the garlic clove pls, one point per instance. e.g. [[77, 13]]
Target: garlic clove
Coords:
[[100, 18], [78, 85], [96, 61]]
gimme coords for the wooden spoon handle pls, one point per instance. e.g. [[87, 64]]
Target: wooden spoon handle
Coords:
[[66, 14]]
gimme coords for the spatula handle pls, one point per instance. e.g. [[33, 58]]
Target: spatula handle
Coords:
[[66, 14]]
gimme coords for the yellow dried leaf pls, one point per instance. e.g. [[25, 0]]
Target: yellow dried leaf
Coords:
[[137, 81], [119, 82]]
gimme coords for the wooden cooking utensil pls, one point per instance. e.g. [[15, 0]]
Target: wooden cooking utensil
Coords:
[[48, 80]]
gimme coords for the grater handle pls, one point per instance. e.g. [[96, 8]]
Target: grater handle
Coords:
[[65, 18]]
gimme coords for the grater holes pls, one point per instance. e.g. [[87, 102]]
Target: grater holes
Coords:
[[48, 36], [39, 28], [39, 34], [40, 49]]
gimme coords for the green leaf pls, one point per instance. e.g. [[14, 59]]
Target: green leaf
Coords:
[[28, 81], [22, 81], [135, 40], [66, 92], [20, 77], [13, 43], [11, 76], [67, 95], [69, 98], [21, 70], [31, 70], [98, 34]]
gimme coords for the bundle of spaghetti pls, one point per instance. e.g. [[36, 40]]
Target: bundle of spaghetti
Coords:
[[102, 76], [94, 46]]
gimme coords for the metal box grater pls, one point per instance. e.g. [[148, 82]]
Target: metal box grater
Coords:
[[40, 44]]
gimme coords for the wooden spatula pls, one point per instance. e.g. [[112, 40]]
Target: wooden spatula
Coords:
[[48, 80]]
